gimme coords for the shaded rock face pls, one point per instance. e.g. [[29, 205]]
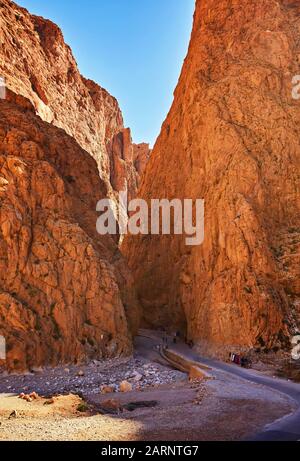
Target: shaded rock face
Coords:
[[123, 155], [64, 290], [232, 138], [37, 64], [141, 156]]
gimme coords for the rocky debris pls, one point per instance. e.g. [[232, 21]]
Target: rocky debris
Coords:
[[14, 414], [201, 392], [50, 401], [232, 139], [295, 347], [290, 370], [137, 377], [25, 397], [29, 397], [98, 378], [38, 65], [174, 418], [63, 288]]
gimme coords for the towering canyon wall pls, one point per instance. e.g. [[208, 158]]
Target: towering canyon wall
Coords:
[[37, 64], [65, 292], [231, 138]]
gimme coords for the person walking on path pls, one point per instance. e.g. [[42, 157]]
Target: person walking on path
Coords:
[[165, 340]]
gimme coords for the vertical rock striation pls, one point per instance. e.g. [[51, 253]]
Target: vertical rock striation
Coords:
[[232, 138], [64, 290]]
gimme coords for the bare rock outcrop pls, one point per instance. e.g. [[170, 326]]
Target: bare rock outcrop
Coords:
[[37, 64], [65, 291], [232, 138]]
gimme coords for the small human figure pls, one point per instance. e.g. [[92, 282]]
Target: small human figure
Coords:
[[165, 339]]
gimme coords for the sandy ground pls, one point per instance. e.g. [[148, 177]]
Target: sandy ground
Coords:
[[226, 408]]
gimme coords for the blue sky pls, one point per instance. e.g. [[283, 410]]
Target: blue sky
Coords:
[[133, 48]]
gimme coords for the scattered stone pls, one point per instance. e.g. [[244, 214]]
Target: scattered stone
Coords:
[[110, 373], [49, 402], [137, 377], [201, 390], [80, 373], [14, 414]]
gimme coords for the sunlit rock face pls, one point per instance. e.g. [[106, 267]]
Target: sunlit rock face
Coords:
[[232, 138], [65, 291], [66, 294], [36, 63], [127, 162]]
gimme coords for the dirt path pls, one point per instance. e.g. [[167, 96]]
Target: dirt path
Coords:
[[227, 407], [184, 411], [287, 427]]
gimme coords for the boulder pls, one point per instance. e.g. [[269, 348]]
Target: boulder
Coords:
[[125, 386], [107, 389], [111, 405]]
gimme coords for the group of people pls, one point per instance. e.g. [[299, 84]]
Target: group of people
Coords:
[[241, 360], [174, 338], [238, 359], [166, 339]]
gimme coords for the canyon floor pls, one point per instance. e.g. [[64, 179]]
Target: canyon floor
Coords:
[[163, 404]]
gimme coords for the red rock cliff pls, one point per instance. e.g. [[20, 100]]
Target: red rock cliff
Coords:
[[37, 64], [232, 138], [64, 290]]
